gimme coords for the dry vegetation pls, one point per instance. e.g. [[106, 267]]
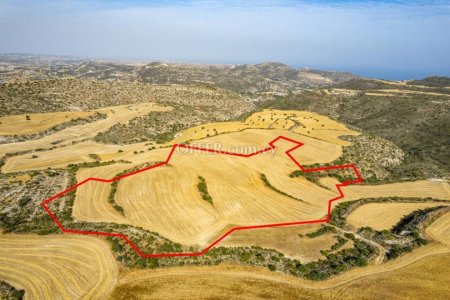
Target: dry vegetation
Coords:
[[382, 216], [421, 188], [440, 230], [66, 138], [291, 241], [301, 122], [410, 278], [20, 124], [177, 210], [164, 210], [58, 95], [62, 267]]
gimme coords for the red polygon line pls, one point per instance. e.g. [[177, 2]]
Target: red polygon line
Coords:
[[339, 186]]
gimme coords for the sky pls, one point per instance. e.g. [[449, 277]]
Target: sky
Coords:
[[380, 39]]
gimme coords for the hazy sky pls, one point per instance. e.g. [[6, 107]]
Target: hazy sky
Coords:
[[386, 39]]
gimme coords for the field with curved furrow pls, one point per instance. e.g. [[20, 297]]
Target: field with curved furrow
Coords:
[[383, 216], [314, 134], [166, 199], [67, 137], [301, 122], [291, 241], [92, 197], [58, 267], [438, 189], [439, 230], [411, 276]]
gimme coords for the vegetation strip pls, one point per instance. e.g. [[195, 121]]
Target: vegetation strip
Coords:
[[268, 184], [27, 137], [203, 189], [403, 237], [336, 261], [154, 255]]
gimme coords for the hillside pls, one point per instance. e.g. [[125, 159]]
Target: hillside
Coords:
[[433, 81], [371, 85], [259, 78], [266, 77], [72, 123], [417, 123]]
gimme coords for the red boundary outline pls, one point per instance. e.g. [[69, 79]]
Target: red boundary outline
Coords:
[[155, 255]]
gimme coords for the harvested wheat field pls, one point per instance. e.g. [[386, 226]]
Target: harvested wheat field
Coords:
[[96, 195], [58, 267], [302, 122], [420, 188], [383, 216], [66, 153], [20, 125], [440, 230], [73, 154], [65, 138], [166, 199], [411, 276], [286, 240]]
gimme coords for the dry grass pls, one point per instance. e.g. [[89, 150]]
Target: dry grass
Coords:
[[58, 267], [440, 230], [409, 277], [19, 125], [285, 240], [117, 114], [19, 178], [381, 216], [166, 199], [421, 188], [412, 92], [302, 122], [268, 119]]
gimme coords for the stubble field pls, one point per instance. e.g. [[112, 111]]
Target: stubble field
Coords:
[[167, 200]]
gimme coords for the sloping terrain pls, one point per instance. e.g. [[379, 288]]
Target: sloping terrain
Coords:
[[268, 77], [383, 216], [416, 123], [166, 199], [393, 131], [412, 276], [63, 267]]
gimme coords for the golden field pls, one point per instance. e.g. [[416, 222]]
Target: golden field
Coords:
[[440, 230], [176, 205], [58, 266], [383, 216], [286, 240], [301, 122], [166, 200], [412, 276], [61, 156], [422, 274], [19, 125], [66, 137]]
